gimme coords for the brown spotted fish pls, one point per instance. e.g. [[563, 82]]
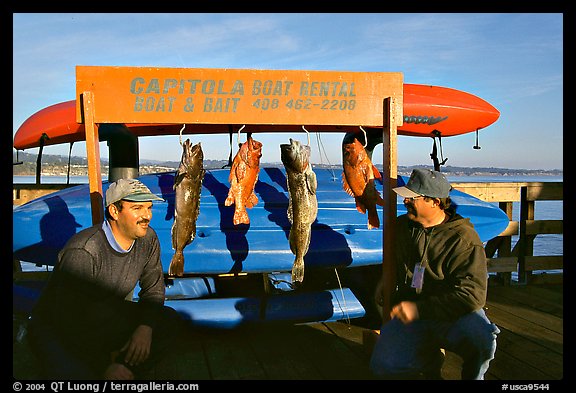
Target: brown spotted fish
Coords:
[[187, 184], [358, 181], [243, 177], [302, 204]]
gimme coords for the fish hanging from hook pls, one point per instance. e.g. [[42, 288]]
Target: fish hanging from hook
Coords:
[[358, 177], [243, 177]]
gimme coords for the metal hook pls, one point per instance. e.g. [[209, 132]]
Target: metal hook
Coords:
[[240, 129], [308, 134], [365, 136], [182, 129]]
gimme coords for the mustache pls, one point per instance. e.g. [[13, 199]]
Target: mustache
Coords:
[[143, 221]]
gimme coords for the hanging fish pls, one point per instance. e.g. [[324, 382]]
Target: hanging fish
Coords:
[[358, 180], [302, 204], [187, 184], [243, 177]]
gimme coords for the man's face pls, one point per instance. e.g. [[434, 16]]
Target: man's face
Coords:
[[419, 208], [134, 218]]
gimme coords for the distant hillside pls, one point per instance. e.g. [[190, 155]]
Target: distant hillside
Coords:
[[58, 165]]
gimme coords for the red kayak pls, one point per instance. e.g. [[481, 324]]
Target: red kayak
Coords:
[[426, 109]]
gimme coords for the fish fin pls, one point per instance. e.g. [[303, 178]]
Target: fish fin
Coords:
[[376, 172], [230, 198], [346, 186], [252, 201], [174, 245], [176, 267], [373, 219], [289, 211], [360, 206], [240, 172], [311, 182], [178, 178]]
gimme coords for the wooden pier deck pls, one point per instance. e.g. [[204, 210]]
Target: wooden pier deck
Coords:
[[530, 346]]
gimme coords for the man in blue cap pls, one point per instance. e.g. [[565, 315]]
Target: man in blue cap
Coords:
[[83, 327], [440, 289]]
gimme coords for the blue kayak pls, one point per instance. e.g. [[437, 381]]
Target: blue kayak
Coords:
[[223, 257]]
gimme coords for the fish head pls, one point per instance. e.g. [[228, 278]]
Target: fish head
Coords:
[[353, 152], [192, 155], [251, 151], [295, 155]]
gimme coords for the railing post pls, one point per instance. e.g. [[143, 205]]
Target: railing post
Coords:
[[525, 242]]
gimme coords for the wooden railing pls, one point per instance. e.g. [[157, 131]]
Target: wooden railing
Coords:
[[521, 258], [25, 192]]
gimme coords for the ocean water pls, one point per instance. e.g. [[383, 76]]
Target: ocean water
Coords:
[[544, 210]]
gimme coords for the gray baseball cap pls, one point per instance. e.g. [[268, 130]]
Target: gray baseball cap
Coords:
[[131, 190], [425, 182]]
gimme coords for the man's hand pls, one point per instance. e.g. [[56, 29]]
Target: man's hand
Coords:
[[118, 372], [405, 311], [137, 349]]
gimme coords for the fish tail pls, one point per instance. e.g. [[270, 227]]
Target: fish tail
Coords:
[[177, 265], [373, 219], [298, 270], [241, 217]]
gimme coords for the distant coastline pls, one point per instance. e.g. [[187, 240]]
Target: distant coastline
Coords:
[[57, 165]]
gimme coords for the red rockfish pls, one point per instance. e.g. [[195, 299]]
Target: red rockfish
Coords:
[[358, 181], [243, 177]]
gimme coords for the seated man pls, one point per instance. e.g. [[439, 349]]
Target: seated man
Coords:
[[441, 283], [82, 326]]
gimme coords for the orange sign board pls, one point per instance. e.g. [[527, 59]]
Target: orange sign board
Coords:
[[237, 96]]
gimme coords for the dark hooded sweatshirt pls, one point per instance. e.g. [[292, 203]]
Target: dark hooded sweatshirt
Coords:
[[456, 276]]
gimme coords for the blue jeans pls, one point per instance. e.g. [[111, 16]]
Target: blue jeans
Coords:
[[406, 351]]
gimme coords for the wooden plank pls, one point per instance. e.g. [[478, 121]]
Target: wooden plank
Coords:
[[502, 264], [185, 362], [93, 157], [330, 356], [278, 357], [511, 230], [531, 330], [541, 227], [542, 319], [544, 262], [507, 367], [230, 357], [548, 299], [491, 191], [545, 191], [390, 165], [530, 352], [351, 336]]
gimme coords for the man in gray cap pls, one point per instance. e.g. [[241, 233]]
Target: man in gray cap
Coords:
[[85, 325], [440, 289]]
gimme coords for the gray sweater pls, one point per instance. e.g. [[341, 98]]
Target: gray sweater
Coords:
[[90, 277]]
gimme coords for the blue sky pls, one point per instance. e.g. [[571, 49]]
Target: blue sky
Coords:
[[513, 60]]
